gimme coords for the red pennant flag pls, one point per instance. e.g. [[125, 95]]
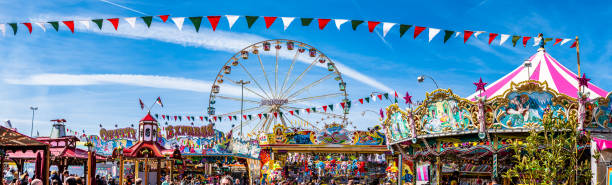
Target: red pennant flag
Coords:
[[418, 30], [230, 117], [201, 118], [557, 41], [525, 39], [215, 118], [492, 37], [214, 20], [291, 112], [164, 18], [466, 35], [395, 93], [175, 118], [29, 25], [380, 96], [324, 108], [574, 44], [115, 22], [361, 100], [308, 110], [342, 104], [323, 23], [259, 116], [244, 116], [372, 25], [188, 119], [70, 25], [163, 116], [275, 114], [269, 21]]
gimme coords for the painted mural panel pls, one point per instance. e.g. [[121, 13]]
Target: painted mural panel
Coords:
[[526, 109], [602, 113], [445, 115]]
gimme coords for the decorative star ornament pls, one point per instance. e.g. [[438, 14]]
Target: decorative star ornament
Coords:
[[480, 85], [408, 98], [584, 81]]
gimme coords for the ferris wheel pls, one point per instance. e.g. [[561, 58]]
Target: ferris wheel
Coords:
[[279, 78]]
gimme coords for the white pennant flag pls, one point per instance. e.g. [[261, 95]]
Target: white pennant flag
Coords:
[[373, 97], [85, 23], [131, 21], [476, 33], [536, 40], [287, 21], [339, 22], [3, 29], [432, 33], [457, 34], [504, 38], [231, 19], [42, 26], [386, 27], [179, 22], [565, 41]]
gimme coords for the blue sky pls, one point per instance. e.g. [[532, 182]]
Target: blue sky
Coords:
[[96, 77]]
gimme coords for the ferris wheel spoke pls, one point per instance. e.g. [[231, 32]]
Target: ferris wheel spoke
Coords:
[[298, 92], [244, 110], [265, 74], [316, 97], [256, 82], [300, 77], [237, 99], [246, 88], [307, 122], [289, 71], [255, 128], [276, 74]]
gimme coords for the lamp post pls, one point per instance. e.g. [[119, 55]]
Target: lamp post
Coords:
[[32, 128], [242, 83], [422, 78], [91, 161]]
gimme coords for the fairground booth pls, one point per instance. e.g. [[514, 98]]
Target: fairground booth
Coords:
[[447, 135], [12, 142]]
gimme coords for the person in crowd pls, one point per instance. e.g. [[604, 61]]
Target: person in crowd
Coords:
[[36, 182], [24, 180], [65, 175], [350, 182], [8, 176], [55, 182], [138, 181], [79, 180], [226, 180], [70, 181], [167, 180], [54, 176], [237, 182]]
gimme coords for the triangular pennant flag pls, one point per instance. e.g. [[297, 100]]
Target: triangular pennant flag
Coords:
[[306, 21], [29, 26], [131, 21], [250, 20], [147, 20], [565, 41], [386, 95], [307, 110], [201, 118], [297, 112], [342, 104], [323, 23], [178, 21], [180, 118], [275, 114], [339, 22], [3, 29], [41, 25], [372, 25], [546, 40], [492, 37], [70, 25], [85, 23], [355, 23], [448, 34], [466, 35], [536, 41], [403, 28], [259, 116], [373, 97], [418, 30], [164, 18], [557, 41], [244, 116], [97, 21], [477, 33], [55, 25], [314, 109], [432, 33], [291, 112], [386, 27], [574, 44], [361, 100], [515, 39], [287, 21], [235, 118], [265, 115], [214, 21], [367, 99], [197, 21], [220, 119], [348, 104], [250, 118], [380, 96], [269, 21], [231, 19], [188, 118], [525, 39], [457, 34], [504, 38], [114, 21], [331, 107]]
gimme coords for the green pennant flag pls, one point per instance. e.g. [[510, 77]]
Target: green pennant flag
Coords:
[[448, 34], [348, 104], [14, 26], [331, 107], [250, 117], [281, 114], [395, 100], [386, 95], [403, 28], [180, 118], [367, 99], [297, 112], [265, 115], [355, 23], [250, 20], [55, 25], [306, 21], [156, 116], [515, 39], [206, 118], [220, 119], [314, 109], [196, 22], [147, 20], [547, 40], [235, 118], [98, 22]]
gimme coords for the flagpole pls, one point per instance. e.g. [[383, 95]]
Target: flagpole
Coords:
[[578, 55]]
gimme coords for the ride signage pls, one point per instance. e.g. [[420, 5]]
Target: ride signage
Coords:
[[203, 131], [122, 133]]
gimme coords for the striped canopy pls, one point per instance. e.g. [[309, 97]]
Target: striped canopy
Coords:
[[544, 68]]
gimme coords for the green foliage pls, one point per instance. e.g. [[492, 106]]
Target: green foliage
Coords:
[[550, 155]]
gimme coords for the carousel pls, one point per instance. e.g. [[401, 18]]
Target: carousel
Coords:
[[448, 135]]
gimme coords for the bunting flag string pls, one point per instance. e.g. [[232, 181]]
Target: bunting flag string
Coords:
[[269, 21]]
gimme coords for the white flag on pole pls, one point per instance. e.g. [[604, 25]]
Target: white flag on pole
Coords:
[[536, 40], [565, 41]]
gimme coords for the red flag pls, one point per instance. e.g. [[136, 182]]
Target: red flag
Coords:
[[269, 21], [230, 117], [164, 18], [342, 104], [175, 118], [215, 118], [382, 114], [244, 116], [141, 104], [291, 112], [323, 23], [380, 96], [492, 37], [275, 114], [574, 44], [188, 119], [418, 30], [163, 116], [361, 100], [372, 25], [70, 25], [259, 116], [395, 93], [158, 101], [115, 22], [29, 25], [466, 35], [214, 20], [557, 41], [525, 39], [324, 108], [308, 110], [201, 118]]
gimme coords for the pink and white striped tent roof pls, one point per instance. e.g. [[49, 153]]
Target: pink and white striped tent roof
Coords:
[[544, 68]]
